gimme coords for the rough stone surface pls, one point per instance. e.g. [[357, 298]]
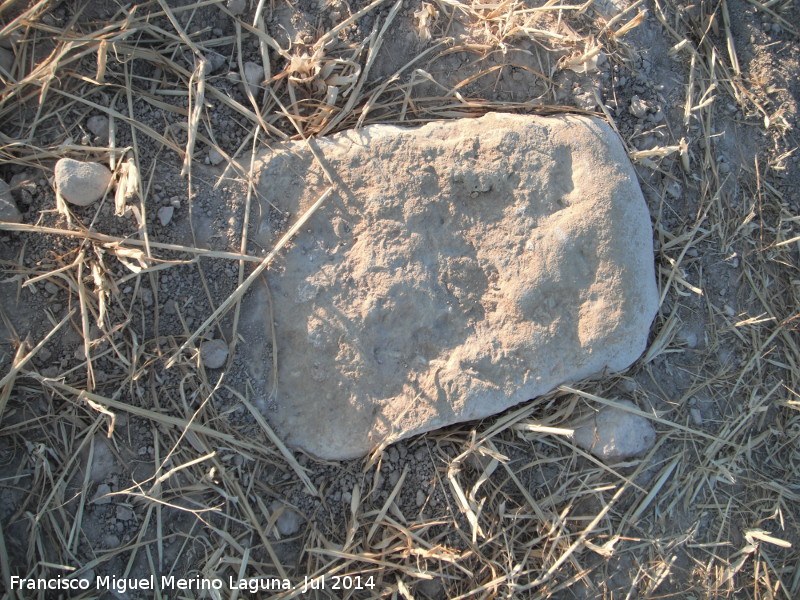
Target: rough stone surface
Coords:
[[614, 433], [458, 269], [213, 353], [81, 183], [9, 212]]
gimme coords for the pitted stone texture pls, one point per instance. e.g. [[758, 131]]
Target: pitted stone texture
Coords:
[[458, 269]]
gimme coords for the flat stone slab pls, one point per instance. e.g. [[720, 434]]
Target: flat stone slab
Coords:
[[459, 268]]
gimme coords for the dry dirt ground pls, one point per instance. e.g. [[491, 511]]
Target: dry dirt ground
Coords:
[[121, 455]]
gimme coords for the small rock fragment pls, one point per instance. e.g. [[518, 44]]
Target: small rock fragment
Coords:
[[99, 126], [102, 490], [165, 214], [213, 353], [103, 461], [215, 157], [253, 75], [23, 187], [638, 107], [614, 433], [216, 61], [81, 183], [9, 212], [237, 7], [289, 521]]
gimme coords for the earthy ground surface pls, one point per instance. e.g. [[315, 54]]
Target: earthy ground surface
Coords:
[[122, 455]]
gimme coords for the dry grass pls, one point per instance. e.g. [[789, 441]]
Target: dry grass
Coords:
[[708, 512]]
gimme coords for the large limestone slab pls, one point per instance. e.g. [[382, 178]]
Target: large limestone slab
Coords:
[[459, 268]]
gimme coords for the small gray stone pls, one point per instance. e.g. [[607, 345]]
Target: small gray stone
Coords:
[[614, 433], [102, 490], [23, 186], [289, 521], [9, 213], [216, 60], [81, 183], [213, 353], [215, 157], [103, 461], [99, 125], [165, 215], [237, 7], [638, 107], [253, 75]]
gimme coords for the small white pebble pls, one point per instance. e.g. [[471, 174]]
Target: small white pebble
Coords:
[[165, 214], [215, 157], [213, 353]]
